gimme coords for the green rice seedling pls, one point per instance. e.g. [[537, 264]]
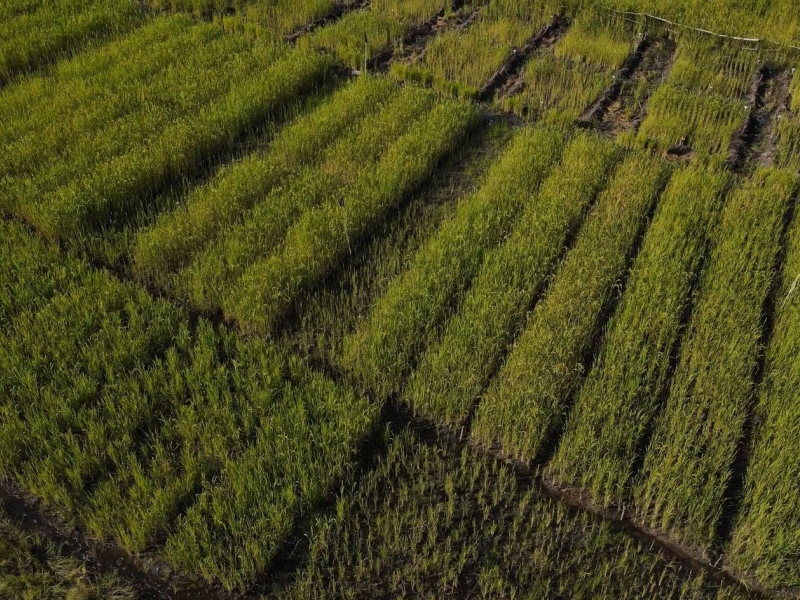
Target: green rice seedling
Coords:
[[32, 103], [31, 272], [177, 236], [33, 567], [527, 401], [357, 37], [431, 521], [620, 398], [325, 235], [704, 100], [235, 528], [209, 277], [766, 538], [30, 40], [689, 462], [787, 129], [561, 84], [54, 360], [414, 10], [152, 107], [453, 372], [381, 353], [160, 89], [123, 186]]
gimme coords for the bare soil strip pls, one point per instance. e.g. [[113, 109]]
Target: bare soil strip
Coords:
[[755, 142], [595, 114], [620, 110], [548, 36]]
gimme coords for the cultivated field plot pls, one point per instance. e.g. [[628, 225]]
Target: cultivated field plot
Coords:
[[399, 298]]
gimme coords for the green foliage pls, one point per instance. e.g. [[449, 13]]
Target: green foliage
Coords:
[[177, 236], [704, 100], [32, 568], [528, 400], [559, 85], [206, 281], [434, 522], [402, 321], [630, 374], [34, 35], [346, 38], [766, 540], [454, 371], [689, 462], [324, 236]]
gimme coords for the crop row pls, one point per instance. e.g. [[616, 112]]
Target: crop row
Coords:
[[560, 84], [402, 321], [689, 463], [530, 397], [703, 101], [324, 235], [118, 414], [113, 174], [462, 60], [431, 521], [34, 35], [176, 237], [630, 374], [766, 540], [363, 35], [453, 371], [207, 280], [33, 567]]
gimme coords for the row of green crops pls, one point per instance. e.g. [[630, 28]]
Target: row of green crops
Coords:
[[454, 371], [207, 280], [621, 396], [382, 352], [363, 35], [127, 420], [432, 522], [325, 235], [529, 398], [766, 541], [787, 129], [186, 114], [704, 100], [33, 35], [176, 237], [33, 567], [561, 84], [462, 60], [690, 459]]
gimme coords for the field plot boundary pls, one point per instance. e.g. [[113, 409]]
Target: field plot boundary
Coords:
[[337, 13]]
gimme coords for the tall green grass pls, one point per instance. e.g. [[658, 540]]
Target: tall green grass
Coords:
[[561, 84], [689, 461], [324, 236], [405, 318], [177, 236], [236, 526], [529, 399], [621, 396], [704, 100], [431, 521], [766, 539], [30, 39], [454, 371], [124, 186], [206, 281]]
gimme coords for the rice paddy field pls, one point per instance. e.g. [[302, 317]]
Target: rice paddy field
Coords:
[[399, 299]]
